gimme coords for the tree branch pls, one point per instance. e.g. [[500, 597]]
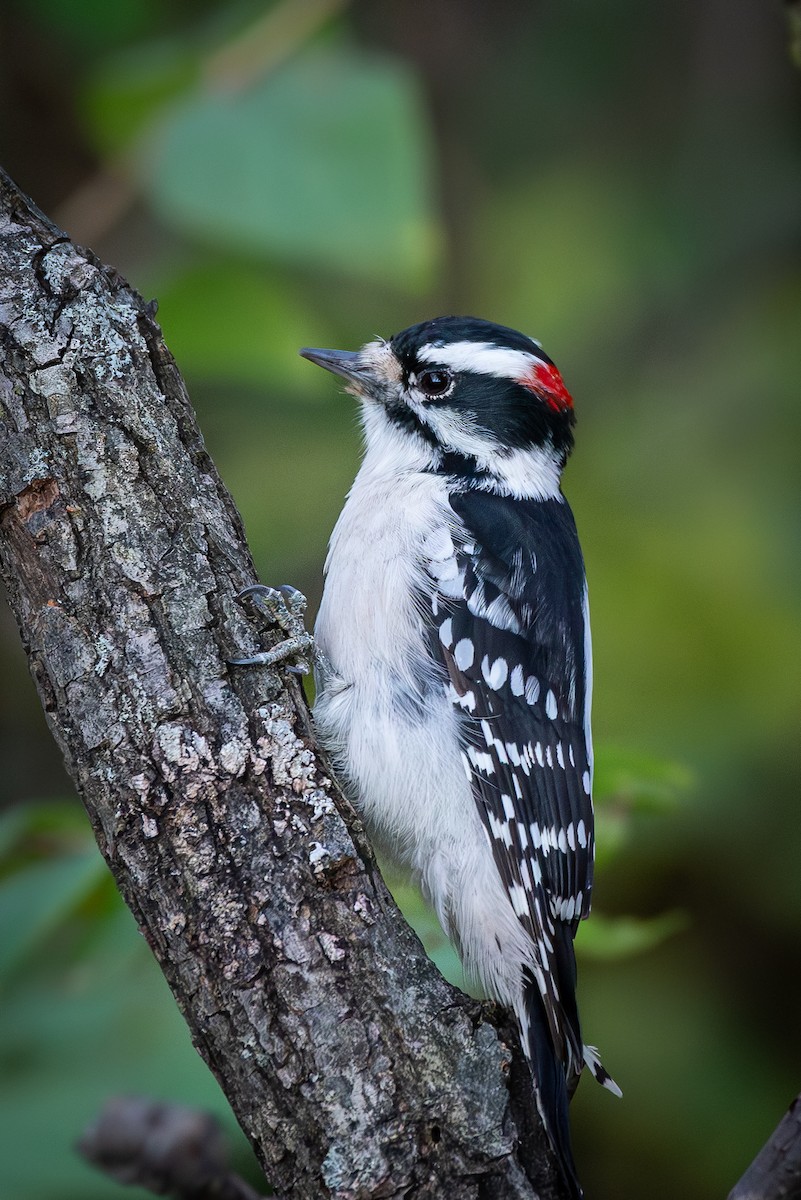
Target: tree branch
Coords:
[[775, 1173], [354, 1069], [166, 1148]]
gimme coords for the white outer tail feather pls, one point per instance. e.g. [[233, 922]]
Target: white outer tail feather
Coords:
[[593, 1062]]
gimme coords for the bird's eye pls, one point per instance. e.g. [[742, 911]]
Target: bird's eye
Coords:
[[435, 383]]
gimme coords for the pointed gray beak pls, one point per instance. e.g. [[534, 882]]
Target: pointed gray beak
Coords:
[[341, 362]]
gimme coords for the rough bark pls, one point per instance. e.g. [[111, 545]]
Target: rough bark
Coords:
[[355, 1070]]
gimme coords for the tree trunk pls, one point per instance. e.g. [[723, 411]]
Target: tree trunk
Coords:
[[354, 1069]]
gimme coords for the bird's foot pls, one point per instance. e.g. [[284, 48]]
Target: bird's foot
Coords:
[[283, 606]]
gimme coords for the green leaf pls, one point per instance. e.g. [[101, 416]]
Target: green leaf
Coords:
[[323, 163]]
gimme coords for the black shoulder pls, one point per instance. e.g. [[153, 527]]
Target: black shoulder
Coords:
[[502, 525]]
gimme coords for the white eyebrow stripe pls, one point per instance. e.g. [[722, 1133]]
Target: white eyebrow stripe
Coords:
[[483, 357]]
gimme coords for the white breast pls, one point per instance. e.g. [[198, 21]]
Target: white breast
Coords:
[[384, 715]]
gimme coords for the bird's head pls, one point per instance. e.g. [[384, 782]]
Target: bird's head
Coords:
[[471, 397]]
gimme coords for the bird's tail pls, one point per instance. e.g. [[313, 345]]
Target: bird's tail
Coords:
[[550, 1080], [552, 1041]]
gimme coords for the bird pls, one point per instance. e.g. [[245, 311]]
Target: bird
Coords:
[[453, 667]]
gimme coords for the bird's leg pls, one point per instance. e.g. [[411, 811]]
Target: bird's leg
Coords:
[[283, 606]]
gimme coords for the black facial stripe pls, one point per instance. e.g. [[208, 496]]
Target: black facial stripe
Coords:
[[404, 417], [512, 415]]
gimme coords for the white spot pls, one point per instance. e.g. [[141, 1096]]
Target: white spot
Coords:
[[581, 834], [513, 752], [517, 895], [532, 689], [549, 756], [523, 835], [560, 755], [579, 899], [570, 754], [463, 654], [562, 841], [585, 782], [446, 632], [508, 807], [475, 600], [517, 683], [517, 787], [571, 836], [550, 705], [539, 754], [536, 871], [496, 674], [525, 875], [500, 831], [468, 700], [481, 761], [545, 940], [536, 836]]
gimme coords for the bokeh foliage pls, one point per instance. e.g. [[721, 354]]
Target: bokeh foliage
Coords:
[[622, 181]]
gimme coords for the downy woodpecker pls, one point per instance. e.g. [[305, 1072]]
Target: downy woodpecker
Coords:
[[454, 671]]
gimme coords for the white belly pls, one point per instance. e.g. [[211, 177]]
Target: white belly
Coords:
[[392, 733]]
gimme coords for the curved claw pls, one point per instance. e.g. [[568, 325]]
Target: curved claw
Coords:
[[283, 606], [295, 600], [264, 598]]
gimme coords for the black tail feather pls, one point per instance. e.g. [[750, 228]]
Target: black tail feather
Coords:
[[550, 1085]]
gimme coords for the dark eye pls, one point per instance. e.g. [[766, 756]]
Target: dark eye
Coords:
[[434, 383]]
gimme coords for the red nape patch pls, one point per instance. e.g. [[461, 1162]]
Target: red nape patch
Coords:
[[545, 381]]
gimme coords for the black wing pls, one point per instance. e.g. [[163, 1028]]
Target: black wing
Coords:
[[511, 629]]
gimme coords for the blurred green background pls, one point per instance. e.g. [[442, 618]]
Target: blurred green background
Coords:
[[622, 181]]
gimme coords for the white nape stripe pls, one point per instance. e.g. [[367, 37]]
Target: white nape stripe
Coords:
[[484, 357], [534, 472]]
